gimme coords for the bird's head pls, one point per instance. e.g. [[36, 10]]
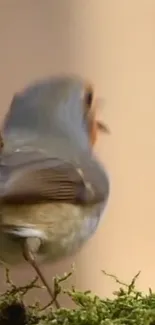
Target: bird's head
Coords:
[[62, 107]]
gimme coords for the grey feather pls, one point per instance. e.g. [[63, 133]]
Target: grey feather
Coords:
[[45, 122]]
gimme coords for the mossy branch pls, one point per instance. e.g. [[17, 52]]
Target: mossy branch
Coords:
[[129, 306]]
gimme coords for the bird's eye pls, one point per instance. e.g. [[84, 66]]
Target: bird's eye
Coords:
[[88, 99]]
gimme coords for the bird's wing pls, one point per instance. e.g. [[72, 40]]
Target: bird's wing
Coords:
[[43, 180]]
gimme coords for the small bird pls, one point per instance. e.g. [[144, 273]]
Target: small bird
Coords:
[[53, 189]]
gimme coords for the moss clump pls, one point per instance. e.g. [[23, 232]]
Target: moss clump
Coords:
[[128, 306]]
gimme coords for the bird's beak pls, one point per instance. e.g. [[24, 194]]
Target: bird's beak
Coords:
[[101, 126], [96, 127]]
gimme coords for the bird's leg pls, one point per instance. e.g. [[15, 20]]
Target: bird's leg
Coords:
[[1, 143], [29, 257]]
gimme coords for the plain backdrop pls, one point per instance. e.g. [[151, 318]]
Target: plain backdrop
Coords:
[[112, 43]]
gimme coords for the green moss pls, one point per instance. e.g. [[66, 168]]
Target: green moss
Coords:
[[128, 306]]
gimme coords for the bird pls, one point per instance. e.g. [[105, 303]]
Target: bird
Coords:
[[53, 188]]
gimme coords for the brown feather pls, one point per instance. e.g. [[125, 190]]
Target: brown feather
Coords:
[[30, 184]]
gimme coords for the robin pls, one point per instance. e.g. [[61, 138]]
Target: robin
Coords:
[[53, 189]]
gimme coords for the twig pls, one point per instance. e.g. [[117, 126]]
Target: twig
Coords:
[[130, 286], [57, 288], [21, 290], [115, 278]]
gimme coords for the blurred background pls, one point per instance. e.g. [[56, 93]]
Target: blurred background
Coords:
[[112, 43]]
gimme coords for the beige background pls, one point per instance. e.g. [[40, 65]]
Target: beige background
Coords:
[[112, 43]]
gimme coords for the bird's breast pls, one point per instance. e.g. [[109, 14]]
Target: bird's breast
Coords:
[[62, 229]]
